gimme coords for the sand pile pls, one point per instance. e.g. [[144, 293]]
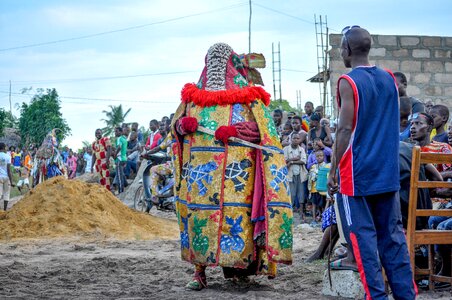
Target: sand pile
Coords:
[[66, 208]]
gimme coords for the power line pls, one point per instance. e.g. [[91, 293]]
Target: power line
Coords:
[[98, 78], [289, 15], [284, 14], [299, 71], [95, 99], [123, 29]]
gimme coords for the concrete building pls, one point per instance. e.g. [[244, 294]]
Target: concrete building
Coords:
[[425, 60]]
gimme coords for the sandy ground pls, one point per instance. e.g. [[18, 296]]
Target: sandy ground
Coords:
[[80, 268]]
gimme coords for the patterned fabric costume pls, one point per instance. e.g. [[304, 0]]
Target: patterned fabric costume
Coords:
[[233, 203], [48, 161], [100, 155]]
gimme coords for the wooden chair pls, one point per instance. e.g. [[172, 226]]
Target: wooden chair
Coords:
[[426, 237]]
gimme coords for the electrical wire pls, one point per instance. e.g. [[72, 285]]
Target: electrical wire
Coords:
[[94, 99], [68, 80], [124, 29]]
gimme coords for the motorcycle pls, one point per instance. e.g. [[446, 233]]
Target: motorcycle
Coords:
[[165, 188]]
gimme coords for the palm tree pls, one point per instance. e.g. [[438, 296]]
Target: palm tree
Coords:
[[115, 117]]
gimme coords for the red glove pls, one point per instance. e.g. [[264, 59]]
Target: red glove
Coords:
[[223, 133], [187, 125]]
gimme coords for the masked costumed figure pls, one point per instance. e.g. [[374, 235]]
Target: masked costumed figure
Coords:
[[233, 203], [48, 162]]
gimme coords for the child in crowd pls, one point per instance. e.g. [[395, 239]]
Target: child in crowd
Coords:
[[71, 164], [17, 160], [23, 180], [318, 198], [440, 115], [287, 129], [296, 160], [317, 144]]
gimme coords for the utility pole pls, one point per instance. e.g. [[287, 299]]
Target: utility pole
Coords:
[[10, 106], [249, 30]]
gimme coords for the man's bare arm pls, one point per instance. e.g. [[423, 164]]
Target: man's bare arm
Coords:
[[345, 126]]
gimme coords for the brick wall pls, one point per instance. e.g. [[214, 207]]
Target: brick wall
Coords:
[[425, 60]]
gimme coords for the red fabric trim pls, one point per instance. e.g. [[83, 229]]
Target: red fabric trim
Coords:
[[220, 225], [355, 97], [359, 263], [346, 172], [203, 98]]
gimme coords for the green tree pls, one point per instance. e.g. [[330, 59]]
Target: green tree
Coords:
[[283, 104], [115, 117], [41, 116], [2, 121]]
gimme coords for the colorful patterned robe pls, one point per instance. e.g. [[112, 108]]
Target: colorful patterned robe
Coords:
[[215, 185]]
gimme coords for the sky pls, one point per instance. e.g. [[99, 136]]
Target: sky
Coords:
[[140, 53]]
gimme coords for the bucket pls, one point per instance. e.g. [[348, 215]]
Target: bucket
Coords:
[[322, 179]]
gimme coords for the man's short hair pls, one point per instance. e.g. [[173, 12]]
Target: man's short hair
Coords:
[[2, 146], [278, 111], [401, 76], [405, 103], [309, 102], [296, 117], [118, 128], [154, 121], [442, 110]]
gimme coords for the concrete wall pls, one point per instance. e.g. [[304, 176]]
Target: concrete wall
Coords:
[[425, 60]]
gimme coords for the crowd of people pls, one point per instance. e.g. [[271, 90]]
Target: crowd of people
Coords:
[[311, 166]]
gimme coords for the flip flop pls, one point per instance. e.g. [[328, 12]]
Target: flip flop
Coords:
[[337, 265]]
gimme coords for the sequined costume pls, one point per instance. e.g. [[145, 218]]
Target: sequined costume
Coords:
[[233, 203]]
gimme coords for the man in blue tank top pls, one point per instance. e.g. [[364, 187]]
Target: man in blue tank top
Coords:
[[365, 163]]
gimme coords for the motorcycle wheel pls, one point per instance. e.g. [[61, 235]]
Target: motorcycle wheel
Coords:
[[138, 202]]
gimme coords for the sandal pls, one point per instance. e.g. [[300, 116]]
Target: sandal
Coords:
[[338, 265], [198, 283]]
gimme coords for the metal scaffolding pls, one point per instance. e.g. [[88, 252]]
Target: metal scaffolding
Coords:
[[321, 34], [276, 64]]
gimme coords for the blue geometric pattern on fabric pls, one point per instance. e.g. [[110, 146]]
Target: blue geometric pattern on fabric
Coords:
[[199, 175], [236, 170], [236, 114], [195, 206], [280, 176], [237, 204], [279, 204], [207, 149], [233, 241], [273, 148], [184, 240]]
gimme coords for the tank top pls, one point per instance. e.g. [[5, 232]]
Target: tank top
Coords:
[[370, 165]]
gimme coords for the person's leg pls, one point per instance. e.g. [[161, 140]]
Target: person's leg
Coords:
[[6, 191], [292, 187], [360, 233], [124, 178], [147, 187], [444, 251], [199, 279], [392, 245], [303, 200], [128, 168], [296, 179], [433, 221], [329, 239], [119, 177]]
